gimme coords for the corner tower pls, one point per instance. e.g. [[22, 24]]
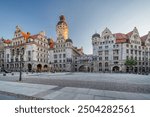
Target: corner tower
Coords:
[[62, 28]]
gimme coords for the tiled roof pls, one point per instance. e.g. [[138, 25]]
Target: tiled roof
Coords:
[[129, 34], [7, 41], [143, 38], [120, 36], [34, 36]]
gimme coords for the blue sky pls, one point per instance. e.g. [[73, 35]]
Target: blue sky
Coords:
[[84, 17]]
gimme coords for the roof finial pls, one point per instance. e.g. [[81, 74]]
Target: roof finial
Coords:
[[62, 18]]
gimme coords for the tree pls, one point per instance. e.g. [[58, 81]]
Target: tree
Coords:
[[130, 63]]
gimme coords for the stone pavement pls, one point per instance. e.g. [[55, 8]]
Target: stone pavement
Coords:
[[54, 92], [131, 83]]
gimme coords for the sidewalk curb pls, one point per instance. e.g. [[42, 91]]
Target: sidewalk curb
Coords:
[[24, 97]]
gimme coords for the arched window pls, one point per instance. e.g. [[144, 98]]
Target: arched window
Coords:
[[17, 51], [106, 64], [100, 64]]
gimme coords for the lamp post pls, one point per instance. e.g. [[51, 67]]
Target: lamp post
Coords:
[[21, 56]]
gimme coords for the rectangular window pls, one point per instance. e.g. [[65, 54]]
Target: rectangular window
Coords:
[[106, 58], [106, 47], [100, 52], [55, 56], [59, 55], [106, 52], [29, 53], [64, 55], [29, 59], [116, 58], [7, 55], [135, 51], [100, 47], [127, 57], [115, 51], [100, 58]]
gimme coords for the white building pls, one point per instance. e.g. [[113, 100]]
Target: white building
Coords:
[[62, 51], [113, 50], [110, 52], [33, 52]]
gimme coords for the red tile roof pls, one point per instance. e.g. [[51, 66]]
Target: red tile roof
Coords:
[[143, 38], [7, 41], [129, 34], [120, 36], [34, 36]]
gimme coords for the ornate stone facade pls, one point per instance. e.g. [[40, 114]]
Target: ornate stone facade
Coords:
[[62, 51], [34, 52], [111, 51], [39, 52]]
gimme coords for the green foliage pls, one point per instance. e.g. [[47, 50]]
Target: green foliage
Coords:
[[130, 62]]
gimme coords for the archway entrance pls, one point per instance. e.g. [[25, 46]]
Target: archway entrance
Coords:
[[45, 68], [127, 69], [29, 67], [39, 68], [84, 68], [115, 69], [135, 70]]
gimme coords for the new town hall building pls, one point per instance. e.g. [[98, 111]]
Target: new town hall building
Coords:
[[39, 53], [110, 52]]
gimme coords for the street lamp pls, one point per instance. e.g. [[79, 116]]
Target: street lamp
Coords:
[[21, 57]]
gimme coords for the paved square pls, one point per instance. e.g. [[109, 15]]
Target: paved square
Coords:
[[78, 86]]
